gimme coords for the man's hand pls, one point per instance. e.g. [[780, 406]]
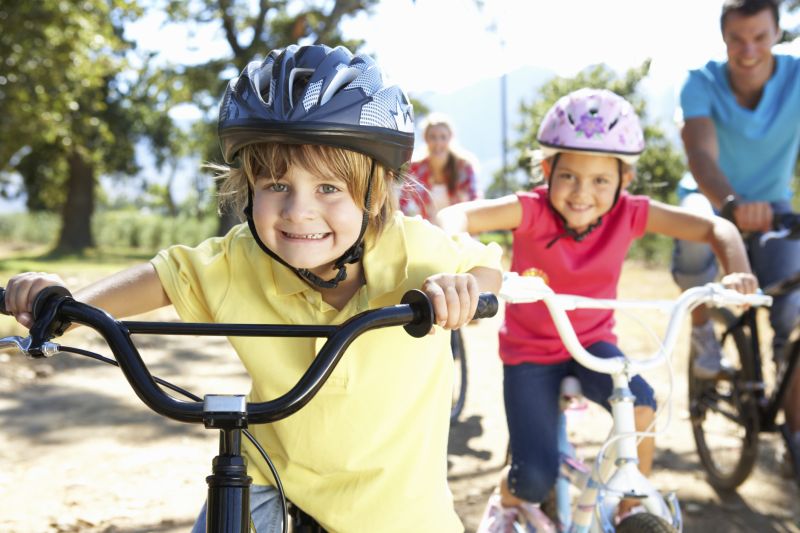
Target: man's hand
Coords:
[[753, 216]]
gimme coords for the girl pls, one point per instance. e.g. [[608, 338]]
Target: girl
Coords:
[[443, 177], [313, 138], [575, 232]]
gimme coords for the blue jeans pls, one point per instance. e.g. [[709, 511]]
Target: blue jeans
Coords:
[[531, 392], [265, 511], [694, 264]]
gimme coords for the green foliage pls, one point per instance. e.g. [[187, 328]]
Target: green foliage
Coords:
[[39, 227], [58, 89], [114, 230]]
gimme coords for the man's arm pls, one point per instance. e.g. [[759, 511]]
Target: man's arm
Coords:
[[702, 151], [700, 143]]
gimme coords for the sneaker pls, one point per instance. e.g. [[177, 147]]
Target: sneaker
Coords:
[[536, 520], [497, 518], [708, 353]]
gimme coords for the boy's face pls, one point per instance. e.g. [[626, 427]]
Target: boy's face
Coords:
[[582, 187], [749, 40], [308, 220]]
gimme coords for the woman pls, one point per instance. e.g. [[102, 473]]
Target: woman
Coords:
[[444, 177]]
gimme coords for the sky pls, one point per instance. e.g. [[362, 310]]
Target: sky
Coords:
[[445, 45], [442, 46]]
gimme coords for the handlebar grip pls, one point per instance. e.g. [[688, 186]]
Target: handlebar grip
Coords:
[[3, 310], [487, 305], [45, 295]]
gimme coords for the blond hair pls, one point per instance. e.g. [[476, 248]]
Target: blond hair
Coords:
[[273, 160]]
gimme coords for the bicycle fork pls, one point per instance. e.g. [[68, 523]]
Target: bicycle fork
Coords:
[[598, 501], [228, 509]]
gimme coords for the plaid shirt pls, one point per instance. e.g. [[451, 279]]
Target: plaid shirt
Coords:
[[415, 198]]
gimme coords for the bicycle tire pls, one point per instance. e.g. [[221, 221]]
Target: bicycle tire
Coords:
[[459, 374], [715, 403], [644, 523]]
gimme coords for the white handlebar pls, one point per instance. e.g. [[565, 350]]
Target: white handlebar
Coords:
[[518, 289]]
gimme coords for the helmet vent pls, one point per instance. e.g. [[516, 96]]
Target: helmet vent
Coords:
[[298, 81], [614, 123], [340, 79], [262, 80]]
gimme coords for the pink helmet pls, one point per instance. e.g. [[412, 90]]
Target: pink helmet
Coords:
[[595, 121]]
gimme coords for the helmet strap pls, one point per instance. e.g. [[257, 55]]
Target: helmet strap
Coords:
[[351, 255]]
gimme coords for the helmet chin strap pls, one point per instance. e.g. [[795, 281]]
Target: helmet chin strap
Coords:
[[578, 236], [353, 254]]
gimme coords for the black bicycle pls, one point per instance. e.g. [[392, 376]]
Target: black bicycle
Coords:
[[459, 374], [729, 413], [228, 509]]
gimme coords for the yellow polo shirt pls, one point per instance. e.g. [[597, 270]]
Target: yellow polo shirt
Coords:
[[369, 452]]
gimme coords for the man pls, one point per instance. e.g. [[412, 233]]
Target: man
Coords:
[[741, 134]]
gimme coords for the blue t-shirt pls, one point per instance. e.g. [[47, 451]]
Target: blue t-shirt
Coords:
[[757, 147]]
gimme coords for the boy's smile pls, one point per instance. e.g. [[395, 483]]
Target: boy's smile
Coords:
[[308, 220]]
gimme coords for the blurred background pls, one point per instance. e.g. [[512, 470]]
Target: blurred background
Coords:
[[108, 106]]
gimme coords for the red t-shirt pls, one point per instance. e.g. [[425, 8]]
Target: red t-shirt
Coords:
[[588, 268]]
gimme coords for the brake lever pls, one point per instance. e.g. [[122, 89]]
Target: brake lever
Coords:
[[23, 345]]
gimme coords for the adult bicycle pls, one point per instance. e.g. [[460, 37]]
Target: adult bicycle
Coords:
[[614, 474], [228, 500], [729, 413]]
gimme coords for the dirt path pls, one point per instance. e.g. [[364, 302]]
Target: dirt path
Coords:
[[79, 452]]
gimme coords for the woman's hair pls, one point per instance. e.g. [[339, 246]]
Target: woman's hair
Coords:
[[272, 160], [454, 156]]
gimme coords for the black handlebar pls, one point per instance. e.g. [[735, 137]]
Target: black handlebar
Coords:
[[54, 310]]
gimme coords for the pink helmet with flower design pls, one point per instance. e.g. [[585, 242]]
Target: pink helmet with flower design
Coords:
[[595, 121]]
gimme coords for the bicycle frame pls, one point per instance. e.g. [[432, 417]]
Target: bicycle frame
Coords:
[[615, 475], [769, 406], [228, 509]]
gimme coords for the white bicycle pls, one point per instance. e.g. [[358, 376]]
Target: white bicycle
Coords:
[[614, 473]]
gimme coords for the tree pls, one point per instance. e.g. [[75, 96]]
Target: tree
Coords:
[[251, 30], [66, 115]]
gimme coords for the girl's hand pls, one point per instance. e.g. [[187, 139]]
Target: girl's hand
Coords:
[[739, 281], [22, 290], [454, 298]]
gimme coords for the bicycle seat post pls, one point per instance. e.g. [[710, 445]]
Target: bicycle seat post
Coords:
[[228, 509]]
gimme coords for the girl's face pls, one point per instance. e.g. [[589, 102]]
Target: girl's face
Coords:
[[438, 141], [582, 187], [308, 220]]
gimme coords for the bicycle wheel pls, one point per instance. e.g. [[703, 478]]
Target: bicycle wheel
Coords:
[[459, 374], [644, 523], [724, 412]]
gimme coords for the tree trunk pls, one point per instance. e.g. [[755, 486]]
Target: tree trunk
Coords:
[[76, 217]]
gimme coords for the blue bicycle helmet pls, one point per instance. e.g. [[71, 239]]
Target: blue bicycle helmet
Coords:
[[323, 96], [317, 95]]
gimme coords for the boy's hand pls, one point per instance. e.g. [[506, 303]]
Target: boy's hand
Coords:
[[22, 290], [740, 281], [454, 298]]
